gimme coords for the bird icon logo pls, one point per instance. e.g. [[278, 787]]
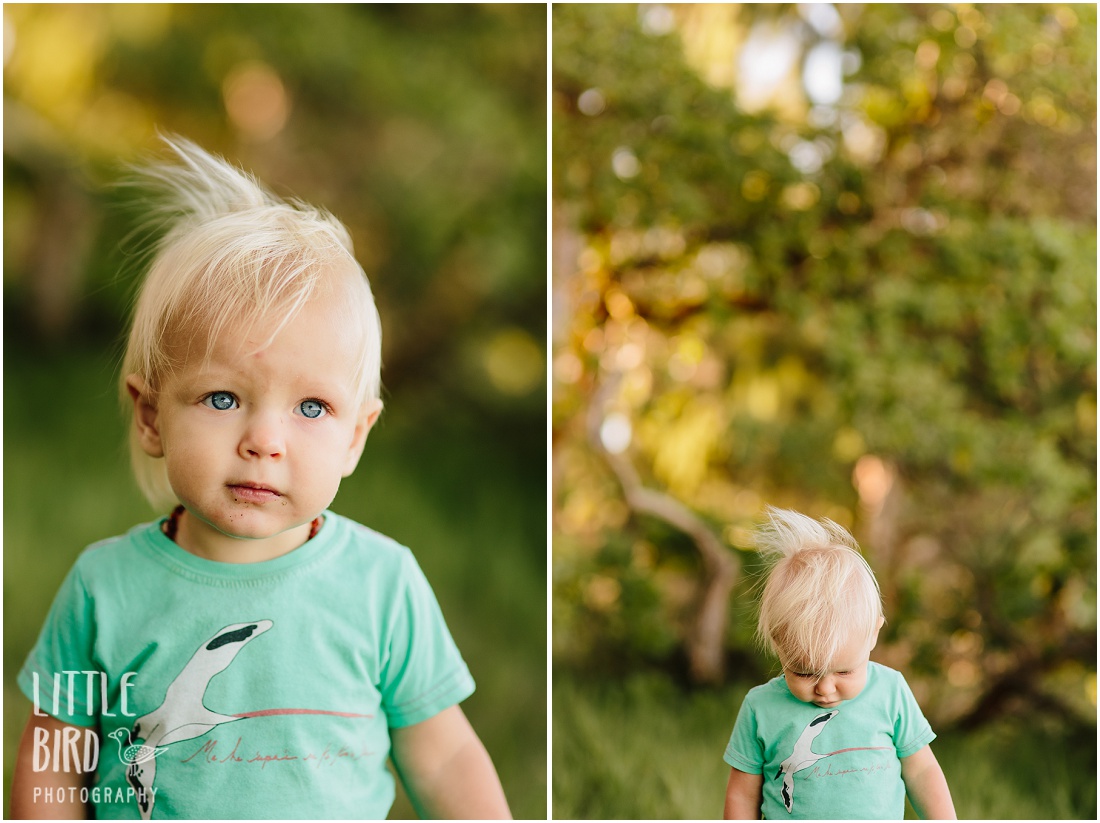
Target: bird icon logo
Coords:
[[135, 753]]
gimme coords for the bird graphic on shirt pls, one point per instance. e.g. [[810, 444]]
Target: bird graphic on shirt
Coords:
[[804, 756], [183, 714]]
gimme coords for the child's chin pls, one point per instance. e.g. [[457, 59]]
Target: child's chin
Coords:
[[254, 526]]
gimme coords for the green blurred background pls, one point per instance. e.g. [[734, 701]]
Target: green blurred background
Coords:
[[423, 127], [840, 259]]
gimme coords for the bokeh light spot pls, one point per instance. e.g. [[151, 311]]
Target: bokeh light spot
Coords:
[[256, 100], [514, 362], [616, 432], [591, 102]]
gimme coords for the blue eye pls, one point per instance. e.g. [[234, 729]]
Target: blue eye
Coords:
[[311, 408], [220, 400]]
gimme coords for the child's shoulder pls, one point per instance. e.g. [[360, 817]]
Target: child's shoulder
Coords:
[[884, 680], [884, 674], [373, 554], [776, 688], [115, 550], [389, 568], [105, 563], [365, 535], [368, 544]]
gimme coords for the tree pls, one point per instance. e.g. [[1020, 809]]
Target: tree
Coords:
[[878, 309]]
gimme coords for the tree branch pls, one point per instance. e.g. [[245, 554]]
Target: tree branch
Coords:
[[706, 638]]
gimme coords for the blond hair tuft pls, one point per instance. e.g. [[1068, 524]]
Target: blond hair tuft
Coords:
[[820, 592]]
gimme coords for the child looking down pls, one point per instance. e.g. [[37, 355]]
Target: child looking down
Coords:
[[835, 736], [252, 654]]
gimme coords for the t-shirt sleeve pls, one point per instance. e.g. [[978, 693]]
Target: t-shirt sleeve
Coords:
[[65, 645], [424, 673], [912, 731], [744, 752]]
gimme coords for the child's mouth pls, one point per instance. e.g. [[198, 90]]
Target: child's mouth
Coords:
[[253, 493]]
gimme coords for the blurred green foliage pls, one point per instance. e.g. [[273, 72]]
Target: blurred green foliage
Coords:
[[424, 129], [877, 307]]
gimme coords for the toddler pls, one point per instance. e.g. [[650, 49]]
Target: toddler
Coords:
[[252, 654], [836, 736]]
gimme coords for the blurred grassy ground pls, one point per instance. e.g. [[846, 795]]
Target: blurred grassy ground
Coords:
[[470, 507], [642, 749]]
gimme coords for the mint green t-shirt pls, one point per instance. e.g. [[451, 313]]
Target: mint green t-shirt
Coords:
[[243, 691], [832, 764]]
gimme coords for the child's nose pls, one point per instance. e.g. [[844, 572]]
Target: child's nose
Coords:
[[825, 686], [264, 437]]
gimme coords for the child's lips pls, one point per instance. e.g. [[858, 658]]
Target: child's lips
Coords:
[[253, 492]]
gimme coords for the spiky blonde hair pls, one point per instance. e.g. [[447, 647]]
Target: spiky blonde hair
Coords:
[[820, 592], [233, 253]]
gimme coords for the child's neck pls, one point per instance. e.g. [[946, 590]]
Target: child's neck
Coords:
[[202, 541]]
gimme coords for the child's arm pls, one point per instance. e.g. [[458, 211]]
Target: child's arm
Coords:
[[926, 786], [46, 795], [446, 770], [744, 793]]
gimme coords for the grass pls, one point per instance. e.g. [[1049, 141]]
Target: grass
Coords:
[[456, 495], [638, 749], [642, 749]]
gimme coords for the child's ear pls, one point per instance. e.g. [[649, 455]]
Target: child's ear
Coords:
[[368, 415], [881, 622], [145, 416]]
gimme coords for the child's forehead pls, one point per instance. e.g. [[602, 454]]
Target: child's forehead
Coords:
[[852, 654], [318, 338], [247, 331]]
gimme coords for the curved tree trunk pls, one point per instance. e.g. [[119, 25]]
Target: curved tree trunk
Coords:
[[704, 643]]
